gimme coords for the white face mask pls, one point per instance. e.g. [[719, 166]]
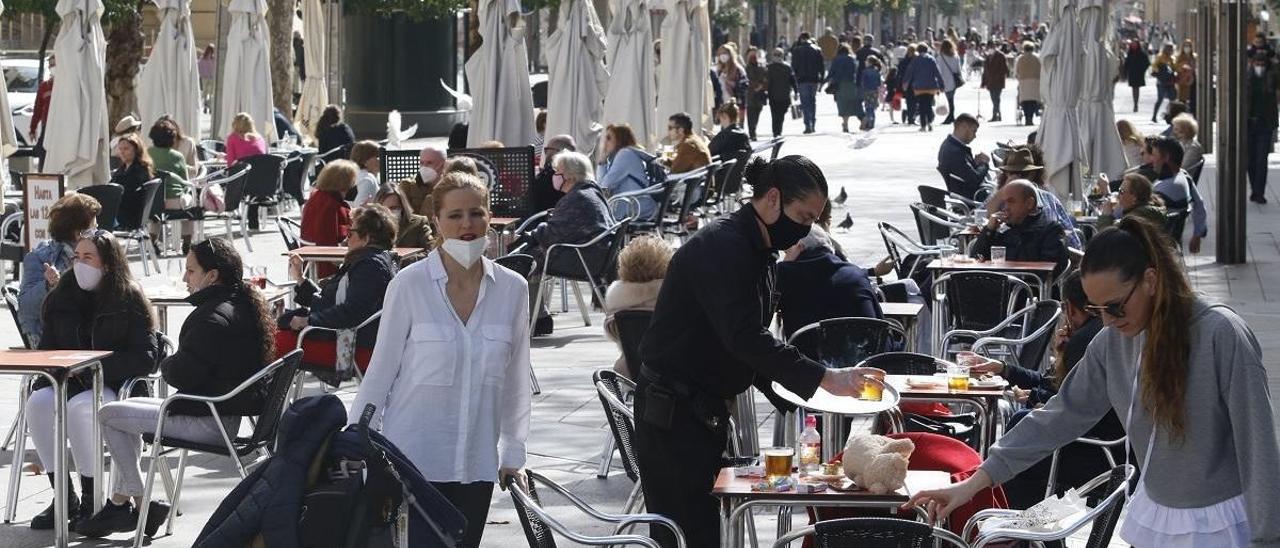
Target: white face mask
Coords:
[[466, 252], [87, 276], [724, 57], [427, 173]]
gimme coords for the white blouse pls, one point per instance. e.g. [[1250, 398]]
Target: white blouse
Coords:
[[453, 397]]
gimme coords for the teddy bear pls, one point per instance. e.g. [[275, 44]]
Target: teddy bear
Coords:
[[876, 463]]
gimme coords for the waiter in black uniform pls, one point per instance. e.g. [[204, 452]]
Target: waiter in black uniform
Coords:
[[710, 340]]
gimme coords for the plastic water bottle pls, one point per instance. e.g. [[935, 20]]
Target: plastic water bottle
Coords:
[[810, 447]]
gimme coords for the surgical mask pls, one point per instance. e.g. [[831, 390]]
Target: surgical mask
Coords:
[[466, 252], [724, 57], [784, 232], [428, 174], [87, 276], [557, 180]]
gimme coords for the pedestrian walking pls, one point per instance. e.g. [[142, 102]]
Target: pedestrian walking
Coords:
[[842, 81], [925, 81], [1027, 70], [1135, 69], [782, 82], [806, 61], [207, 66], [952, 70], [870, 82], [1185, 65], [995, 73], [757, 89], [1163, 69], [731, 77], [1262, 115]]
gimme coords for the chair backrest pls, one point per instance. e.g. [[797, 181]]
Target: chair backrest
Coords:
[[872, 532], [1175, 223], [213, 145], [266, 175], [295, 172], [732, 183], [519, 263], [109, 196], [1194, 171], [396, 164], [509, 196], [290, 231], [844, 342], [601, 258], [980, 300], [278, 384], [150, 190], [488, 170], [632, 325], [157, 205], [620, 422], [341, 152], [934, 196], [695, 194], [777, 148], [1040, 323], [536, 530], [932, 232], [233, 185], [1109, 508], [903, 363], [11, 301]]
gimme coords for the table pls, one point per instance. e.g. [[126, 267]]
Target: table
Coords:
[[499, 225], [163, 296], [908, 315], [737, 498], [985, 399], [57, 366]]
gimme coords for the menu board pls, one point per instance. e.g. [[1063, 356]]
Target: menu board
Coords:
[[39, 194]]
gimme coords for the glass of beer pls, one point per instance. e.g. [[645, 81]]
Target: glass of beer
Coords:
[[997, 253], [777, 462], [958, 378], [872, 390]]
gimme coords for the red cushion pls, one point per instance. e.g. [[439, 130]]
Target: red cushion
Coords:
[[318, 353]]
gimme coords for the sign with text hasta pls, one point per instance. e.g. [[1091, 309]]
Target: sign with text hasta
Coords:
[[39, 194]]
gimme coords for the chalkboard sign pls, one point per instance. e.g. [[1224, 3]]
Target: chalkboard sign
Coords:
[[40, 193]]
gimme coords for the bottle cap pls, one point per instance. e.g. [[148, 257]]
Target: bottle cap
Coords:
[[810, 421]]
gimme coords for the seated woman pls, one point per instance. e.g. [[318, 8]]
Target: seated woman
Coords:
[[365, 155], [624, 169], [44, 265], [227, 338], [1078, 463], [185, 145], [166, 158], [641, 267], [345, 299], [326, 217], [331, 131], [412, 230], [96, 305], [1136, 197], [134, 171], [815, 284], [1185, 128], [244, 141], [731, 140], [580, 216]]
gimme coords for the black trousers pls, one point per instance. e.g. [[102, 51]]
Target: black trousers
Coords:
[[1259, 145], [753, 117], [924, 108], [678, 467], [472, 499], [1029, 109], [912, 105], [995, 103], [779, 110]]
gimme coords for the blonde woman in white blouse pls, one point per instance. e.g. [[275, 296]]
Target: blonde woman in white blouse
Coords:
[[450, 373]]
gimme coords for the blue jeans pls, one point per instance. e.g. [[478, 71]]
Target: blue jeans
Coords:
[[808, 106]]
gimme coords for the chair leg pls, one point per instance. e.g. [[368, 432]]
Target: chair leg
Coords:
[[635, 500], [14, 426], [582, 306], [244, 230], [143, 252], [564, 296], [170, 487], [537, 304], [177, 493], [606, 456], [15, 470], [145, 506], [155, 258]]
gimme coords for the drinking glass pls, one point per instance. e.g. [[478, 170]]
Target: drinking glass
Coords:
[[258, 275], [997, 253], [946, 253], [958, 378], [777, 462]]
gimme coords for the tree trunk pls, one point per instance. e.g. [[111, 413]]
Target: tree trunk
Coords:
[[124, 58], [280, 24]]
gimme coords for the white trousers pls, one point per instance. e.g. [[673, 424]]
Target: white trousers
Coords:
[[40, 423], [124, 422]]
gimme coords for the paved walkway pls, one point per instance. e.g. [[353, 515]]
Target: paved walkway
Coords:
[[568, 425]]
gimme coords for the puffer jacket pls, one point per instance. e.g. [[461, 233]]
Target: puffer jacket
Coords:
[[265, 508], [75, 319], [219, 347], [368, 270]]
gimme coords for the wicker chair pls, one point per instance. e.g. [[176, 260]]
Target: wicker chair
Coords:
[[845, 342], [622, 424]]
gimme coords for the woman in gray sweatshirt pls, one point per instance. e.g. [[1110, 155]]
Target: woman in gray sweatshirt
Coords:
[[1186, 378]]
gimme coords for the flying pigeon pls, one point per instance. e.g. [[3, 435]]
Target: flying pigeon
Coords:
[[463, 100], [847, 223], [841, 198], [395, 135]]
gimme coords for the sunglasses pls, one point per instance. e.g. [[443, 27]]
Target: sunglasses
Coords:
[[94, 233], [1115, 310]]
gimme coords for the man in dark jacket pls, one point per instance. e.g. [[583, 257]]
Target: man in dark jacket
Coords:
[[806, 61], [814, 284], [544, 193], [868, 49], [1026, 233], [1262, 94], [962, 172], [731, 139], [995, 72], [782, 81]]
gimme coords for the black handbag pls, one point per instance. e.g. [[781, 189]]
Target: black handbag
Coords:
[[832, 87]]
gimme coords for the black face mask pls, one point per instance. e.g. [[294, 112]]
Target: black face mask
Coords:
[[783, 233]]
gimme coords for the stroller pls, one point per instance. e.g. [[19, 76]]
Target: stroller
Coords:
[[333, 487]]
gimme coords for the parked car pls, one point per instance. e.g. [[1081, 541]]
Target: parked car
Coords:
[[20, 78]]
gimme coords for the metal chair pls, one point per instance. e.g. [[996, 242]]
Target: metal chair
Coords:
[[395, 164], [1175, 223], [539, 526], [291, 232], [603, 265], [936, 226], [631, 326], [519, 263], [264, 184], [232, 180], [661, 193], [975, 301], [10, 295], [622, 424], [514, 174], [137, 228], [695, 193], [357, 374], [279, 378], [1194, 171], [1103, 445], [1109, 487], [12, 242], [296, 172], [899, 533], [909, 256], [845, 342], [943, 199], [108, 196], [1033, 326]]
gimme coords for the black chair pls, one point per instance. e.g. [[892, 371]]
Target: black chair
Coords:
[[845, 342], [732, 184], [109, 196], [12, 242], [1175, 223], [872, 532], [936, 226], [232, 180], [695, 192], [509, 195], [263, 185], [1032, 346], [291, 232], [540, 528], [18, 179], [395, 164], [934, 196], [979, 300], [10, 294], [519, 263], [663, 194], [594, 262], [210, 148], [136, 230], [296, 172], [278, 378], [609, 388], [1104, 493], [909, 256], [1194, 171]]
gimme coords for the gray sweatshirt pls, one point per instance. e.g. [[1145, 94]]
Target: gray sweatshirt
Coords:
[[1230, 446]]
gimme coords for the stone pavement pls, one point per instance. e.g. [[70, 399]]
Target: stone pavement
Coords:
[[568, 425]]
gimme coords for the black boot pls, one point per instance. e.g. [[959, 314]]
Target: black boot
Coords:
[[44, 520], [112, 518], [157, 512], [86, 502]]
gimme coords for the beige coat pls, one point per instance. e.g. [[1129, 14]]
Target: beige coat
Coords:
[[627, 296], [1027, 70]]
